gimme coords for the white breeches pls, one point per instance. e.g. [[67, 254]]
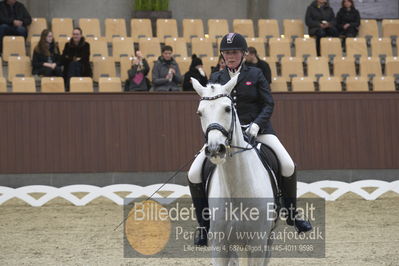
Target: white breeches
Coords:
[[286, 163]]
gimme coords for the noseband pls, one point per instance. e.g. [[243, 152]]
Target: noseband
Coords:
[[215, 126]]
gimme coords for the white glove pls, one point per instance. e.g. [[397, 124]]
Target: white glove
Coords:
[[202, 72], [252, 130]]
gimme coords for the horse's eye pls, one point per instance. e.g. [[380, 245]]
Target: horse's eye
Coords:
[[228, 109], [199, 113]]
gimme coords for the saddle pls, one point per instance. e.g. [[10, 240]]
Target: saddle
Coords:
[[269, 160]]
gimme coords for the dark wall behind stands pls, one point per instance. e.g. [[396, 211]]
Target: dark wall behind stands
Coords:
[[81, 133]]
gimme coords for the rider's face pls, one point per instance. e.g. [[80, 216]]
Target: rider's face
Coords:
[[233, 58]]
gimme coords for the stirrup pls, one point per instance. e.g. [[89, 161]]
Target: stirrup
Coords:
[[201, 237]]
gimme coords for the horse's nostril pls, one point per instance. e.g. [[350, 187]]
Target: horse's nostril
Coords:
[[207, 152], [222, 149]]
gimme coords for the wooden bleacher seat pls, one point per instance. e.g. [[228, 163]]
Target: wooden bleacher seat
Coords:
[[291, 67], [268, 28], [293, 28], [193, 28], [368, 29], [355, 84], [202, 47], [330, 47], [370, 67], [279, 84], [217, 28], [302, 84], [344, 66], [90, 27], [384, 84], [115, 27], [19, 66], [62, 27], [3, 85], [318, 67], [305, 47], [150, 48], [23, 85], [52, 84], [36, 28], [245, 27], [179, 46], [140, 28], [103, 67], [122, 47], [111, 84], [258, 44], [98, 47], [13, 46], [330, 84], [166, 28], [279, 47], [81, 84]]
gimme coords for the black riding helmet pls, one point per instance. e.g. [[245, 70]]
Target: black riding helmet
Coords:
[[233, 41]]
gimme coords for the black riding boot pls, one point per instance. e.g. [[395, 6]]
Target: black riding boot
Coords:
[[288, 190], [200, 202]]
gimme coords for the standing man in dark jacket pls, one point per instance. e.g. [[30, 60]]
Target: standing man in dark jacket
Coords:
[[252, 59], [348, 19], [321, 22], [14, 20]]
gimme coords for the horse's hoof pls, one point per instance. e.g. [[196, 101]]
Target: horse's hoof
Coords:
[[303, 226], [201, 237]]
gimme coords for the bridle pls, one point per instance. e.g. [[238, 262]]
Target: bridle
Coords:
[[227, 133]]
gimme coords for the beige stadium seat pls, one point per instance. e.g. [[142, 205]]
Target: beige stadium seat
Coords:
[[370, 67], [52, 84], [356, 47], [122, 47], [33, 42], [344, 67], [330, 47], [268, 28], [384, 84], [279, 84], [293, 28], [217, 28], [81, 85], [110, 85], [208, 63], [318, 67], [167, 28], [19, 66], [192, 28], [62, 41], [184, 64], [103, 67], [272, 62], [1, 67], [330, 84], [302, 84], [36, 28], [390, 28], [305, 47], [354, 84], [115, 27], [179, 46], [150, 48], [13, 46], [392, 66], [3, 85], [258, 44], [202, 47], [368, 28], [381, 47], [244, 26], [279, 47], [26, 84], [98, 47], [125, 64], [291, 67], [90, 27], [62, 27], [140, 28]]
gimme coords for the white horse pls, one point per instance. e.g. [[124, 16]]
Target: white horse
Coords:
[[239, 174]]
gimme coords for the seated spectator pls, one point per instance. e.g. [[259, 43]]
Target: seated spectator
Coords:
[[196, 71], [76, 57], [252, 59], [137, 80], [166, 73], [46, 59], [220, 66], [348, 19], [14, 20], [321, 22]]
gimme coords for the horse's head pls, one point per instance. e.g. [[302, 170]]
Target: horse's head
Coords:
[[217, 115]]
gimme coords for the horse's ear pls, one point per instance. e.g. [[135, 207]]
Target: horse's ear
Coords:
[[229, 86], [197, 86]]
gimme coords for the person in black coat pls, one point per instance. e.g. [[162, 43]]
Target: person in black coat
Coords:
[[321, 22], [14, 20], [46, 60], [196, 71], [254, 104], [252, 59], [137, 80], [348, 19], [76, 57]]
